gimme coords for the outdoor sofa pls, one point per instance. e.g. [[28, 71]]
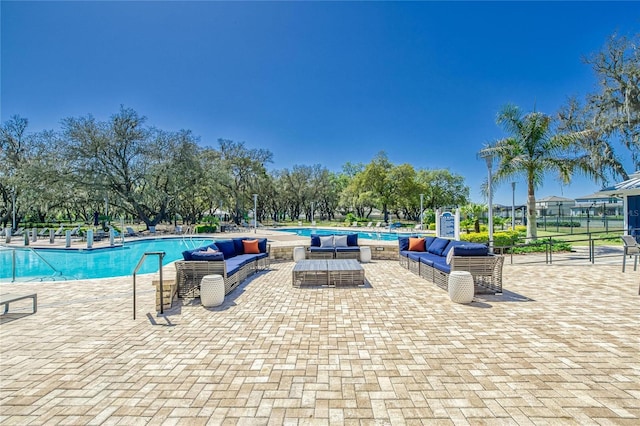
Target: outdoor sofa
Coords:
[[234, 259], [334, 247], [434, 258]]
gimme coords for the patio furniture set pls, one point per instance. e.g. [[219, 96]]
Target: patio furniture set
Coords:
[[435, 258]]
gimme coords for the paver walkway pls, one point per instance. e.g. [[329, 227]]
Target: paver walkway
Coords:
[[562, 345]]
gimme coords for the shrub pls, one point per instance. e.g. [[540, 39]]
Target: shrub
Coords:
[[206, 229], [432, 227], [540, 246], [500, 239]]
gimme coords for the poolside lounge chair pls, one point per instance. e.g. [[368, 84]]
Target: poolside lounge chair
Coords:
[[75, 231], [130, 232], [370, 225], [59, 232], [44, 233], [631, 248]]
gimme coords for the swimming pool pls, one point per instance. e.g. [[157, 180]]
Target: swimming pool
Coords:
[[370, 235], [60, 264]]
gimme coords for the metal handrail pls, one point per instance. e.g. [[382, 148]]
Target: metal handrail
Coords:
[[13, 261], [160, 255]]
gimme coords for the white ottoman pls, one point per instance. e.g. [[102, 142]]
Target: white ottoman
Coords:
[[212, 290], [461, 287], [365, 254], [298, 254]]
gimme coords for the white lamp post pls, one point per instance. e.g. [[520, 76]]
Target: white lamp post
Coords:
[[513, 206], [421, 212], [489, 184], [255, 213]]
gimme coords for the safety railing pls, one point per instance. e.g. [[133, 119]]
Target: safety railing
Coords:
[[160, 255], [35, 253]]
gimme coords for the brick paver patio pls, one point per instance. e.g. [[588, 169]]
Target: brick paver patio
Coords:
[[562, 345]]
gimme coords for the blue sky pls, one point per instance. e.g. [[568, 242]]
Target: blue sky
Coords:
[[313, 82]]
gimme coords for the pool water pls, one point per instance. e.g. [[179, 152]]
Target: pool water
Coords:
[[71, 264], [380, 236]]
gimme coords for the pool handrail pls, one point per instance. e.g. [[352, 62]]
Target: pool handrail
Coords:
[[160, 255]]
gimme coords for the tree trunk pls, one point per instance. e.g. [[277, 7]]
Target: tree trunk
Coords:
[[532, 226]]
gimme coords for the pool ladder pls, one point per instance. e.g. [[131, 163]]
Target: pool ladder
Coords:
[[160, 255]]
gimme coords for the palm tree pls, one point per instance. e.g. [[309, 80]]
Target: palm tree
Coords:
[[534, 149], [473, 212]]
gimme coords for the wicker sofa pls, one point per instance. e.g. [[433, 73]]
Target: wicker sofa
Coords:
[[224, 257], [434, 258], [334, 247]]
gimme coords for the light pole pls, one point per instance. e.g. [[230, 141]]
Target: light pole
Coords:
[[255, 213], [558, 219], [489, 184], [421, 212], [513, 206], [13, 208]]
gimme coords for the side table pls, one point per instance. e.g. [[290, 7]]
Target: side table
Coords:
[[461, 287], [298, 254], [212, 290], [365, 254]]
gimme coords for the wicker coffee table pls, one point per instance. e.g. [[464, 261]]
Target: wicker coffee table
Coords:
[[328, 272]]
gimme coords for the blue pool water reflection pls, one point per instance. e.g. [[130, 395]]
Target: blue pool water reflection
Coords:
[[60, 264]]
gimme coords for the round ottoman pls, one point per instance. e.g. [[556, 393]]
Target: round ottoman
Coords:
[[211, 290], [365, 254], [298, 254], [461, 287]]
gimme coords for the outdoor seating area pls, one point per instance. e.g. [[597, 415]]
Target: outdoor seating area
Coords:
[[234, 259], [334, 247], [435, 258]]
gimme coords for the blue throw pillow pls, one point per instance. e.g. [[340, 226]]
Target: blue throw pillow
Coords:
[[438, 246], [451, 245], [471, 249], [403, 243], [187, 255], [352, 240], [238, 246], [262, 245], [227, 247], [428, 241], [315, 240], [207, 255]]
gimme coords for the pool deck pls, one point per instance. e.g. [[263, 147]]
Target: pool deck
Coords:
[[561, 345]]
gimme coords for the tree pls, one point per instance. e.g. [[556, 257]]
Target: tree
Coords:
[[141, 170], [612, 113], [243, 167], [442, 188], [534, 149], [473, 212]]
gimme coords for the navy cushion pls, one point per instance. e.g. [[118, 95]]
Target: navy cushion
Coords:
[[414, 255], [438, 246], [427, 259], [227, 247], [245, 259], [315, 240], [471, 249], [428, 241], [403, 243], [452, 244], [405, 253], [350, 249], [262, 245], [352, 240], [322, 249], [238, 246], [207, 255], [442, 267], [187, 254], [233, 265]]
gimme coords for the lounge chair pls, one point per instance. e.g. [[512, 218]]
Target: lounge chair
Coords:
[[631, 248], [44, 233], [130, 232], [75, 231], [355, 224], [370, 225], [59, 232]]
